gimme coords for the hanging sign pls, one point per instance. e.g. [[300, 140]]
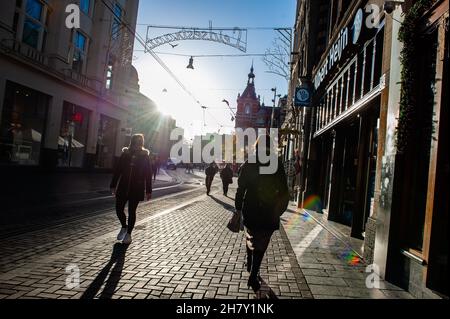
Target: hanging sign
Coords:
[[302, 96]]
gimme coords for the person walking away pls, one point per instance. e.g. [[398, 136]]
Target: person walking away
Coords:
[[261, 199], [131, 183], [155, 168], [227, 178], [210, 172], [158, 164]]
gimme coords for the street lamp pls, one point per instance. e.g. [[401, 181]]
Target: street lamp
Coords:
[[274, 90]]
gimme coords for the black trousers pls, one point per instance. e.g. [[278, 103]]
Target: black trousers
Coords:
[[120, 210], [257, 243], [209, 180], [226, 185]]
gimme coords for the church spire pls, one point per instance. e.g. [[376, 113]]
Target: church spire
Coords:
[[251, 76]]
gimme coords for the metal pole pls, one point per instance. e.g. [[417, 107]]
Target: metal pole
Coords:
[[273, 109]]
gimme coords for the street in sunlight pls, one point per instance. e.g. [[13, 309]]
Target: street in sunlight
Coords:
[[273, 152]]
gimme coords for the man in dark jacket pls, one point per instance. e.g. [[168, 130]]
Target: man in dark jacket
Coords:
[[262, 199], [227, 178], [210, 172], [132, 183]]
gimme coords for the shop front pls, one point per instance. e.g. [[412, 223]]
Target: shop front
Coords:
[[23, 124], [346, 121], [74, 135], [106, 142]]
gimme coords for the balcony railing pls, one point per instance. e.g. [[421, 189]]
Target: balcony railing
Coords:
[[25, 52], [82, 80]]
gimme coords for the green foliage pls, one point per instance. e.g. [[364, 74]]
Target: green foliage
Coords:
[[408, 35]]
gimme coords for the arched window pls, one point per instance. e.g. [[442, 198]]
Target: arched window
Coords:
[[248, 109]]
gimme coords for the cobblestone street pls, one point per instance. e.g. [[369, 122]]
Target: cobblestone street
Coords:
[[181, 249]]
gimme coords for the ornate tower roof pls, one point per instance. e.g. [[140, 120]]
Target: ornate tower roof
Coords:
[[251, 76]]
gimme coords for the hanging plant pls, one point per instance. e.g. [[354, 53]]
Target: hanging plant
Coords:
[[408, 35]]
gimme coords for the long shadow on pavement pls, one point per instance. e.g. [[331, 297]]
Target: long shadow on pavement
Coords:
[[117, 260], [225, 205], [265, 292]]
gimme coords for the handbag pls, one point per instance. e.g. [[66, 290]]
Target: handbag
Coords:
[[236, 223]]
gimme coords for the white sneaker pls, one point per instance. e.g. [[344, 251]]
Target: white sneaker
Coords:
[[127, 240], [122, 234]]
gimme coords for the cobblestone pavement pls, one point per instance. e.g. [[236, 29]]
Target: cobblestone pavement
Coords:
[[331, 261], [181, 249]]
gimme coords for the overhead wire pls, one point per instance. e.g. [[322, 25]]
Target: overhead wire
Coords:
[[140, 39]]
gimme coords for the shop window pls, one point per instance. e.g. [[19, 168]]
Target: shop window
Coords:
[[73, 136], [106, 141], [23, 125]]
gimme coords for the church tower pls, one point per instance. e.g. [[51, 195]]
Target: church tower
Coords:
[[248, 104]]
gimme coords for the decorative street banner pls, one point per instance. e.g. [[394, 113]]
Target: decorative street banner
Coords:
[[233, 37], [302, 96]]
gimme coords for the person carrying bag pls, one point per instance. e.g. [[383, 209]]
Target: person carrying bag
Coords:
[[262, 199]]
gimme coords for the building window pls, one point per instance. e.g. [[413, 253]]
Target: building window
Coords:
[[85, 6], [248, 109], [29, 22], [31, 32], [34, 9], [22, 125], [109, 74], [80, 44], [73, 135], [117, 22]]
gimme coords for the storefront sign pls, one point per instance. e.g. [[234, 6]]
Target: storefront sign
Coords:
[[333, 57], [337, 49]]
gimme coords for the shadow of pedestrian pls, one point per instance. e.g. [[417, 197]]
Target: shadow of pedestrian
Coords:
[[117, 260], [225, 205], [265, 292]]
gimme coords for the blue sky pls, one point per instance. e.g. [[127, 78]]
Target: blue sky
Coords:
[[213, 79]]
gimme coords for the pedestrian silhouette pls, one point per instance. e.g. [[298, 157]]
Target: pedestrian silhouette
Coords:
[[210, 172], [132, 183], [227, 178], [262, 199]]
